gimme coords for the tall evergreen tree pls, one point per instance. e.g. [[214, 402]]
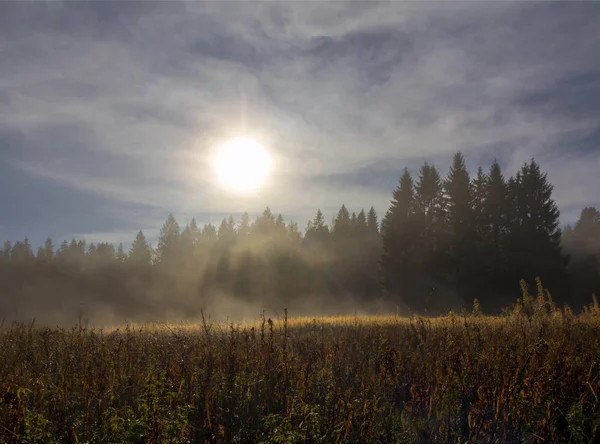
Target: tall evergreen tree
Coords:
[[317, 231], [429, 196], [372, 222], [496, 205], [209, 234], [535, 238], [341, 225], [479, 187], [120, 255], [168, 248], [226, 232], [46, 252], [279, 225], [399, 230], [21, 251], [6, 249], [360, 226], [460, 220], [140, 254], [244, 226], [265, 223]]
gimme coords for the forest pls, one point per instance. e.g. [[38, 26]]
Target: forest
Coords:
[[443, 243]]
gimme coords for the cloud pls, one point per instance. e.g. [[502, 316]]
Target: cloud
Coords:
[[122, 103]]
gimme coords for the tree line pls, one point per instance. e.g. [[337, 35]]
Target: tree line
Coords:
[[443, 242]]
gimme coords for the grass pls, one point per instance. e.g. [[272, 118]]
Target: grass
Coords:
[[531, 375]]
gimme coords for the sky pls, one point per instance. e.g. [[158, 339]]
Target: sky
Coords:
[[109, 111]]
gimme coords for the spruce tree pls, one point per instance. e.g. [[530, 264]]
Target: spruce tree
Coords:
[[460, 224], [429, 195], [341, 225], [430, 232], [496, 206], [6, 249], [140, 254], [535, 237], [317, 231], [479, 187], [360, 226], [46, 252], [399, 230], [372, 222], [120, 256], [168, 249], [244, 226], [279, 226]]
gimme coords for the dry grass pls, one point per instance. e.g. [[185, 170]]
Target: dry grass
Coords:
[[532, 375]]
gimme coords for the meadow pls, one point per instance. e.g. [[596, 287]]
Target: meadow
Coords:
[[529, 375]]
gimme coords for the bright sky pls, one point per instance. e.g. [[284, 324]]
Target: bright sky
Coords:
[[108, 110]]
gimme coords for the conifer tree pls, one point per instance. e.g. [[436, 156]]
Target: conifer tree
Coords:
[[317, 231], [341, 225], [226, 232], [479, 187], [168, 248], [209, 234], [399, 231], [496, 206], [372, 222], [279, 225], [360, 226], [46, 252], [244, 226], [120, 256], [429, 196], [7, 249], [460, 220], [534, 241], [140, 254]]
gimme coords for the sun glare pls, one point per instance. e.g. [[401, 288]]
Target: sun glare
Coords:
[[242, 165]]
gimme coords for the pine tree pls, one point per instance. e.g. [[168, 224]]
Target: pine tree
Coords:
[[360, 226], [105, 252], [46, 252], [372, 222], [21, 251], [341, 225], [430, 233], [120, 256], [459, 197], [293, 232], [317, 232], [496, 206], [279, 225], [479, 187], [429, 196], [6, 250], [265, 224], [226, 232], [244, 227], [460, 220], [194, 231], [534, 242], [209, 234], [140, 254], [399, 230], [168, 249]]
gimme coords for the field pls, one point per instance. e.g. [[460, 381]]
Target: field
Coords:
[[531, 375]]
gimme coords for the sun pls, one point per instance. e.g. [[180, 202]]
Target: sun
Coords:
[[242, 165]]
